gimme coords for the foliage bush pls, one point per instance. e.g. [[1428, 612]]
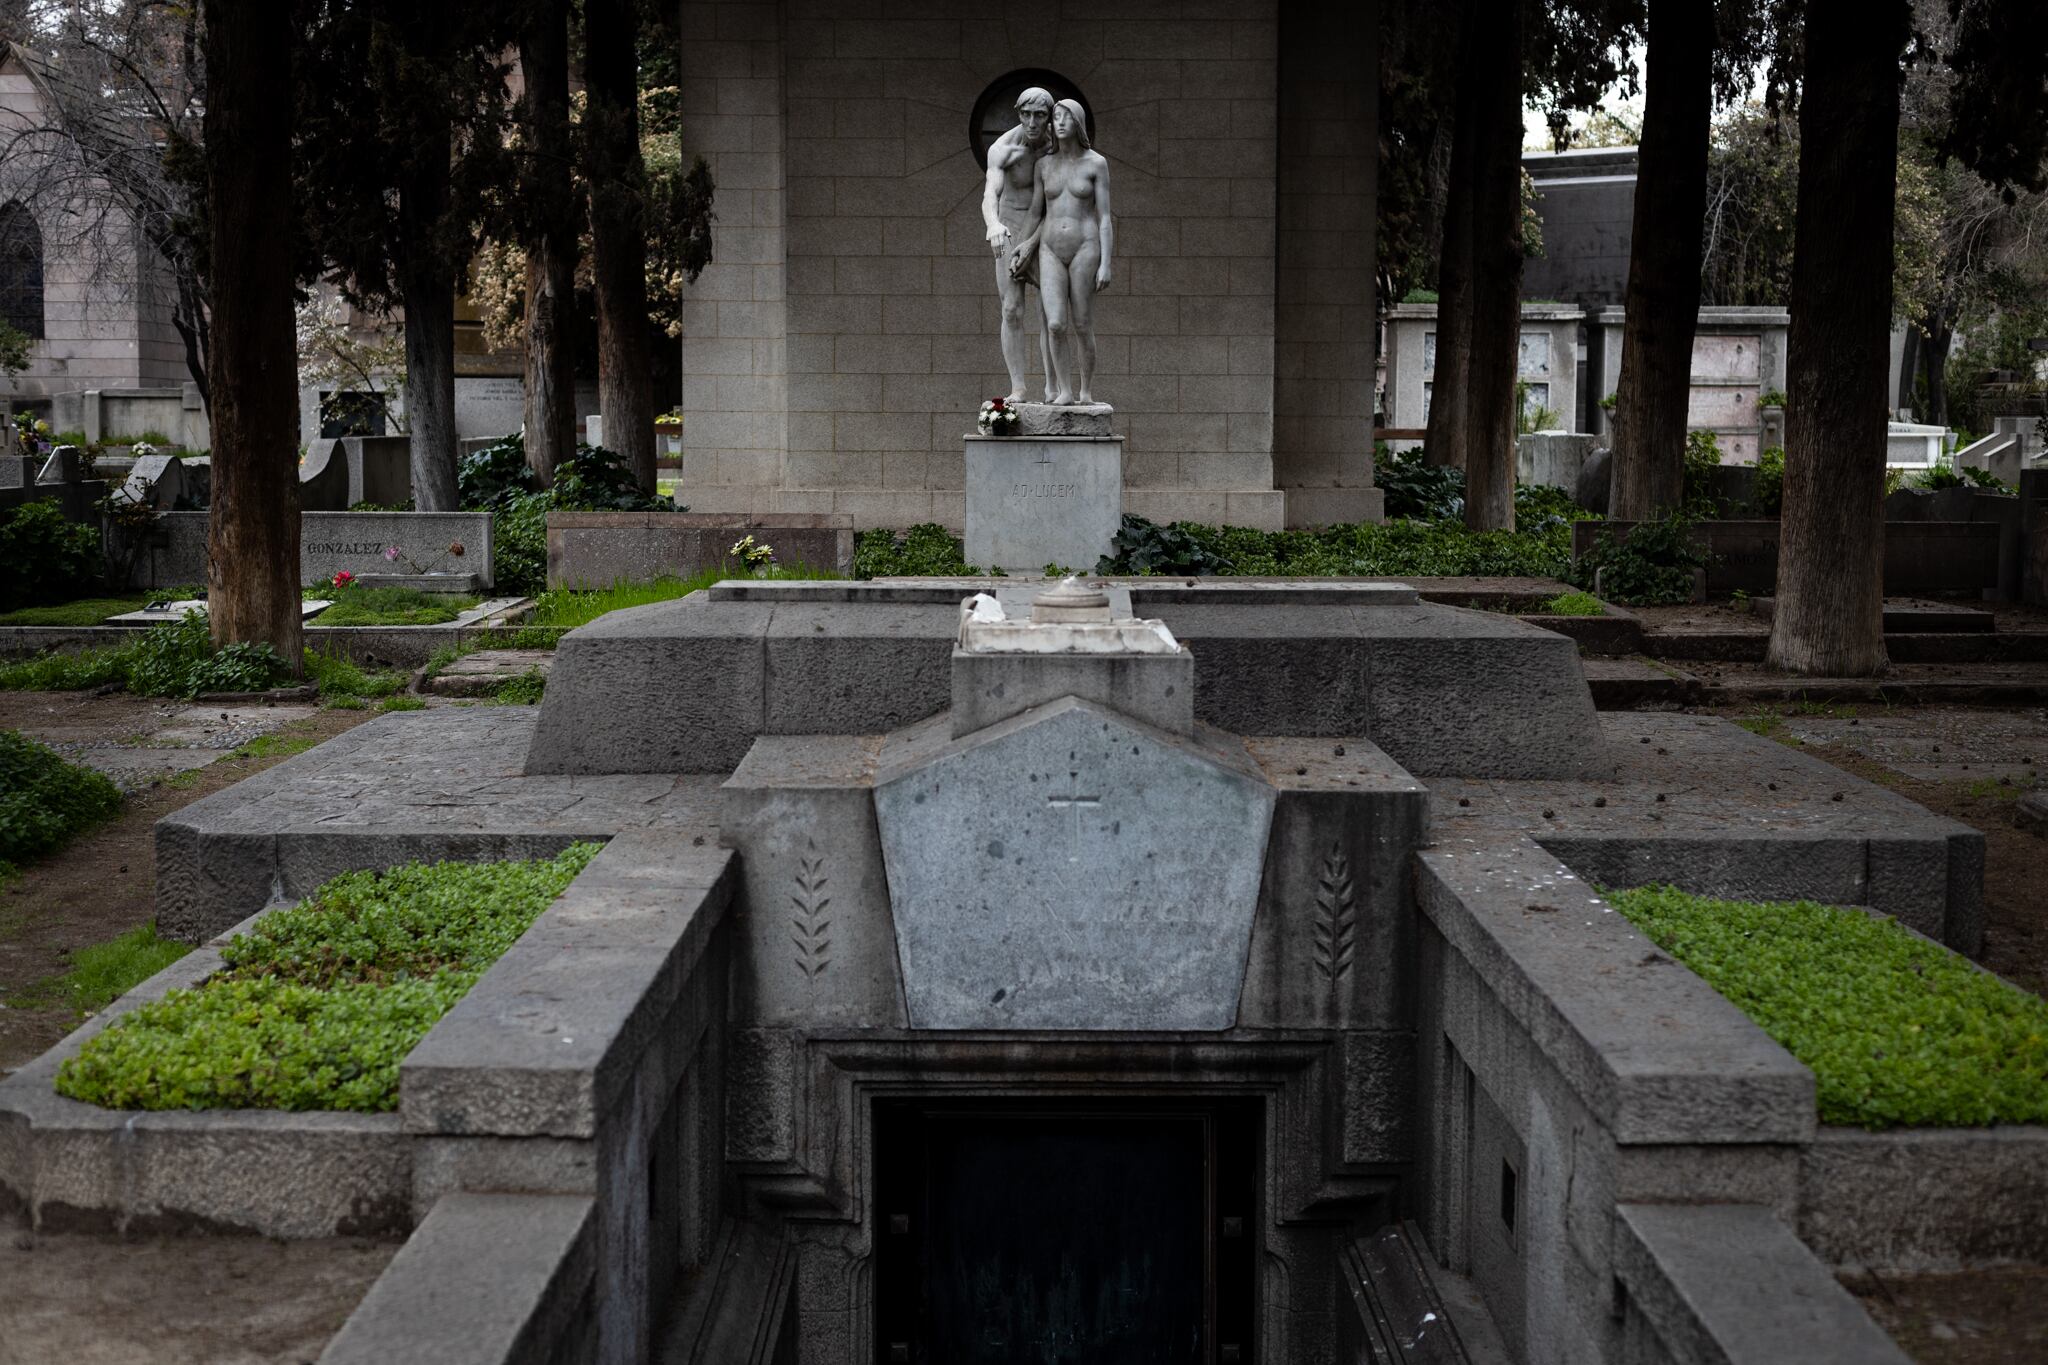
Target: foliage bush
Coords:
[[925, 550], [181, 661], [44, 801], [316, 1008], [340, 678], [496, 479], [1417, 489], [44, 555], [1363, 549], [1769, 496], [1653, 567], [495, 475], [1898, 1031], [1702, 458], [175, 660]]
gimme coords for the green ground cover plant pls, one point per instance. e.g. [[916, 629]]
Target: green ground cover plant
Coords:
[[1574, 604], [45, 801], [83, 611], [1653, 567], [388, 607], [318, 1005], [1899, 1032], [101, 973], [566, 608], [341, 679]]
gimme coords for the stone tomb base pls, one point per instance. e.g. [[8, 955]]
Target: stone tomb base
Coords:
[[1034, 501]]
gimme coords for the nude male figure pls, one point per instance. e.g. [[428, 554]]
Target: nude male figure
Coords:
[[1005, 211]]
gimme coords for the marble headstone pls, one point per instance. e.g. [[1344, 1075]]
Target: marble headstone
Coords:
[[1069, 868]]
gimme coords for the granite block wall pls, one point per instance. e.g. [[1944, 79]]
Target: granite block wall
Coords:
[[835, 353]]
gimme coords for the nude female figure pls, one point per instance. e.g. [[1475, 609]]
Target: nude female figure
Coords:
[[1071, 231]]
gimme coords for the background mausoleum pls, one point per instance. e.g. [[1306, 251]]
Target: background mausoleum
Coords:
[[838, 347]]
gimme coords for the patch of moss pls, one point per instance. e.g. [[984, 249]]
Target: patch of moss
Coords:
[[1899, 1032], [316, 1008]]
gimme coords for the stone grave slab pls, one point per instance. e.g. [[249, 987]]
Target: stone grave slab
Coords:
[[1038, 500], [1069, 868]]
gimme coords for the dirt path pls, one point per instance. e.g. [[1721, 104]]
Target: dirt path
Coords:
[[165, 755], [105, 1300]]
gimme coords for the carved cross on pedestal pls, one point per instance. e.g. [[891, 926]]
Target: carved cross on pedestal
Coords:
[[1044, 455], [1074, 804]]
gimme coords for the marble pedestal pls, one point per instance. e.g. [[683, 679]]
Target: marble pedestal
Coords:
[[1039, 500]]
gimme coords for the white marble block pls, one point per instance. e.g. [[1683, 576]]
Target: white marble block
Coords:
[[1039, 500]]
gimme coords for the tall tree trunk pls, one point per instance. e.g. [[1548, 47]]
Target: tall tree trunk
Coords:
[[1830, 614], [427, 285], [550, 239], [618, 234], [1934, 355], [252, 541], [1449, 421], [1496, 342], [1664, 263]]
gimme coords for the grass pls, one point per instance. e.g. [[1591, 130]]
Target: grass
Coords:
[[103, 972], [316, 1008], [275, 746], [1574, 604], [565, 609], [393, 607], [342, 680], [1899, 1032], [1764, 723], [172, 660], [524, 690], [85, 611], [402, 702]]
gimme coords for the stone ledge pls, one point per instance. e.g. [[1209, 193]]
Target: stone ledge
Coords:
[[1730, 1283], [262, 1171], [421, 785], [1654, 1052], [1953, 1197], [489, 1279], [546, 1043]]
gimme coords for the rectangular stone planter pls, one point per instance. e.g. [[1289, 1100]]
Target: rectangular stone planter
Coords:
[[598, 549]]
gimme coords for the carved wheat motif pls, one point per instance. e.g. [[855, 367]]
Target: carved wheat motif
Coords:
[[809, 925], [1336, 916]]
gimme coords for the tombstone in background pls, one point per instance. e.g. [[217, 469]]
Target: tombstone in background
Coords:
[[1552, 458], [15, 472], [198, 470], [323, 477], [1591, 489], [65, 465], [379, 470], [158, 480]]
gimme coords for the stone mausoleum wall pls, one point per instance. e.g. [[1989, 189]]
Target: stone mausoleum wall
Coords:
[[836, 350]]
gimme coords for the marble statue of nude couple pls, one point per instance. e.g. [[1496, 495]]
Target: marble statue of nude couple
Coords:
[[1047, 201]]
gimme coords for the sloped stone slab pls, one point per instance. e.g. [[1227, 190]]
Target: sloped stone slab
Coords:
[[1072, 869]]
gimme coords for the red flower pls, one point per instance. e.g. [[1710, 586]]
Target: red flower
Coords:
[[343, 578], [998, 403]]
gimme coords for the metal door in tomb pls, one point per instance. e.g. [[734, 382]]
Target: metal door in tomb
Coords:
[[1008, 1234]]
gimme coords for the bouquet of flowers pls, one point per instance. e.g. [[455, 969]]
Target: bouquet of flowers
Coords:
[[757, 557], [998, 418]]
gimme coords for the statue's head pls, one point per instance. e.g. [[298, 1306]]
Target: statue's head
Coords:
[[1034, 114], [1069, 119]]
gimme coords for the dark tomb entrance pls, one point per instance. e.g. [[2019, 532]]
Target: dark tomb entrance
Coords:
[[1069, 1236]]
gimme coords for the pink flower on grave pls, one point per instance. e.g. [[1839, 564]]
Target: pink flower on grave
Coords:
[[343, 579], [391, 553]]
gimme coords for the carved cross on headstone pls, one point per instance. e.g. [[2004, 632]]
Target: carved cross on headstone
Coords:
[[1075, 804], [1044, 456]]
